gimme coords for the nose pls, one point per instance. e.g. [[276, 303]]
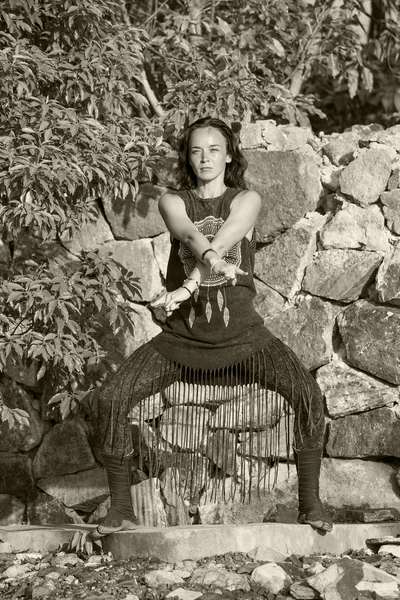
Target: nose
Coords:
[[204, 157]]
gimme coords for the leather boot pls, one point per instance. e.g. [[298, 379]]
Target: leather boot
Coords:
[[311, 509], [120, 515]]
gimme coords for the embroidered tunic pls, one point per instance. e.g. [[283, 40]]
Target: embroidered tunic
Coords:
[[218, 325]]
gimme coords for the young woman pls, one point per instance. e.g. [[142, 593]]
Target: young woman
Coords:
[[212, 334]]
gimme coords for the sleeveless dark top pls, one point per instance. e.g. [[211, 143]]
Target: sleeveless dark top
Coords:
[[218, 326]]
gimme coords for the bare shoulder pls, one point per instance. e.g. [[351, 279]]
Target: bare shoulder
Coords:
[[248, 198], [169, 201]]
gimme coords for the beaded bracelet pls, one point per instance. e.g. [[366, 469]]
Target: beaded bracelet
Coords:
[[206, 251]]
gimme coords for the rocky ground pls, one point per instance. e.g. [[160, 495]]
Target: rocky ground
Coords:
[[263, 573]]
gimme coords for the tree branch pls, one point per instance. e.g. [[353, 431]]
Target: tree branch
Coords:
[[151, 97]]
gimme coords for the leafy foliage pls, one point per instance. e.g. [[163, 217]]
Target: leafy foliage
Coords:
[[72, 129], [280, 59]]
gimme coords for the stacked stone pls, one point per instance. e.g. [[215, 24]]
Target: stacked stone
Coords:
[[327, 273]]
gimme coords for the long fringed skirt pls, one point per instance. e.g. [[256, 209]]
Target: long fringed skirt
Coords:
[[256, 385]]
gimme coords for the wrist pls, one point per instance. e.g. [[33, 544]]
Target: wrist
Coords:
[[190, 284], [215, 262], [210, 255]]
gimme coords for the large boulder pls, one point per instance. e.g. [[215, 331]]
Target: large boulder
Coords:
[[371, 335], [162, 248], [15, 473], [281, 265], [356, 227], [357, 483], [348, 390], [289, 185], [373, 433], [388, 278], [365, 178], [81, 491], [12, 510], [137, 257], [267, 301], [307, 329], [340, 274], [43, 509], [138, 219], [20, 438], [184, 426], [341, 149], [145, 328], [262, 134], [391, 209], [89, 237], [65, 449], [390, 137]]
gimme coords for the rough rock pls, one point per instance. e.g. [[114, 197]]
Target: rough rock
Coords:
[[389, 137], [392, 549], [370, 332], [166, 170], [340, 150], [269, 443], [388, 277], [81, 491], [391, 209], [345, 578], [137, 257], [220, 447], [262, 134], [12, 510], [183, 426], [267, 301], [214, 510], [148, 408], [289, 185], [340, 274], [348, 390], [330, 176], [373, 433], [296, 137], [15, 473], [365, 178], [19, 438], [159, 578], [356, 227], [42, 509], [175, 509], [148, 505], [271, 577], [122, 345], [214, 576], [307, 329], [88, 237], [281, 265], [23, 373], [347, 482], [265, 553], [162, 248], [255, 409], [388, 149], [137, 219], [183, 594], [394, 179], [65, 449]]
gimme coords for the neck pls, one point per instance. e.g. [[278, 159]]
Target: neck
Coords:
[[210, 189]]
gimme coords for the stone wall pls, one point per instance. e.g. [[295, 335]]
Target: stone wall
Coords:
[[328, 280]]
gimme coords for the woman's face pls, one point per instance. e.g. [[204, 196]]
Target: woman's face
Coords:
[[208, 154]]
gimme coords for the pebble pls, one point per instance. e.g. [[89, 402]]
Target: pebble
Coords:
[[182, 594]]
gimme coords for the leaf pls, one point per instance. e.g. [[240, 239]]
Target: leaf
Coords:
[[352, 82], [41, 372]]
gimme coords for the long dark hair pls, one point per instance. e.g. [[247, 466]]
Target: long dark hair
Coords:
[[234, 173]]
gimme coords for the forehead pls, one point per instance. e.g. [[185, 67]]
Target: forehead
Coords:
[[207, 136]]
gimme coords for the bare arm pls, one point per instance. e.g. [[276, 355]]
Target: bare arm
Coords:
[[242, 218]]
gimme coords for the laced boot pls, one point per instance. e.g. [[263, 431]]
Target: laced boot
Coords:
[[311, 509], [120, 515]]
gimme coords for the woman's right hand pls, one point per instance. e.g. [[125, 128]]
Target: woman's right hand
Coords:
[[170, 301]]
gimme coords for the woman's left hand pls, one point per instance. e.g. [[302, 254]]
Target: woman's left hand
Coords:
[[170, 301], [227, 270]]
